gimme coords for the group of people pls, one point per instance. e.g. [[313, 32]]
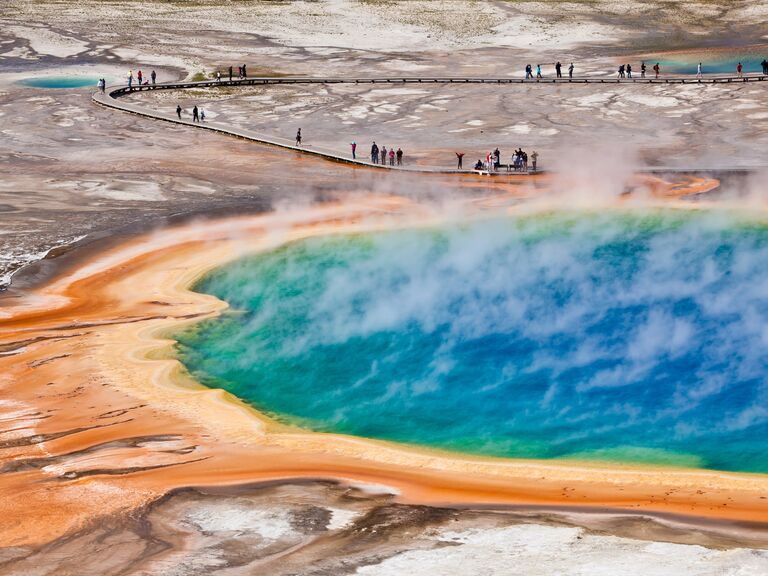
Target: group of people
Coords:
[[382, 155], [242, 72], [625, 70], [558, 70], [518, 162], [102, 84], [140, 78], [198, 114]]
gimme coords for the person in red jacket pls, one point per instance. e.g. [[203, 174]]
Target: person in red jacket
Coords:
[[739, 69], [138, 77]]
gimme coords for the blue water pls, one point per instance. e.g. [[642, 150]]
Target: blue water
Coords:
[[61, 81], [638, 337]]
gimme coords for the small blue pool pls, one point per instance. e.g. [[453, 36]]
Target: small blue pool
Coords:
[[61, 81]]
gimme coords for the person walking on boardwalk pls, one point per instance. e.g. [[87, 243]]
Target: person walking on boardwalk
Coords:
[[245, 72], [621, 71], [130, 78], [629, 70], [738, 69], [218, 76], [195, 115], [383, 155], [570, 70], [138, 77], [698, 71], [657, 69], [528, 71], [496, 158], [298, 137], [178, 111], [202, 115], [525, 162], [391, 156], [558, 68], [534, 159], [374, 153], [764, 64], [399, 156], [153, 76], [459, 159], [354, 149], [642, 70], [101, 85], [230, 73], [538, 70]]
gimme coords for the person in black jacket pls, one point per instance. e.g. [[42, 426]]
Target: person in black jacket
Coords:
[[374, 154]]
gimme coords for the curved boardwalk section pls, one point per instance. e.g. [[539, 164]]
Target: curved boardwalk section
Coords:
[[111, 98]]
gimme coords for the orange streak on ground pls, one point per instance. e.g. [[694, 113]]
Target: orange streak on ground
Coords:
[[98, 418]]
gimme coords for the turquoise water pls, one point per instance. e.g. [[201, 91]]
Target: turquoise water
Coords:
[[713, 62], [61, 81], [638, 337]]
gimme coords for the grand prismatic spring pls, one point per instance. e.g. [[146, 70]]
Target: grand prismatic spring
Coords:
[[237, 338], [567, 335]]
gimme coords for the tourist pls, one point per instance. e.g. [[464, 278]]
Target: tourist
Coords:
[[245, 73], [764, 64], [698, 71], [399, 156], [138, 77], [738, 69], [525, 162], [202, 115], [374, 154], [496, 158], [383, 155], [230, 73], [538, 71], [218, 76], [621, 71], [642, 70], [513, 162], [459, 159], [657, 69], [195, 115], [354, 149], [102, 85], [130, 78], [557, 70], [391, 156], [298, 137], [479, 164], [534, 159], [153, 75], [489, 161], [178, 111], [629, 70], [239, 72], [528, 71], [570, 70]]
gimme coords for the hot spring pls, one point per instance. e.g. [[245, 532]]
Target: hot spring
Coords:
[[637, 336], [62, 82]]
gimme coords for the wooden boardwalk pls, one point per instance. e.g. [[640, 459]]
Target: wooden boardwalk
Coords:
[[111, 98]]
